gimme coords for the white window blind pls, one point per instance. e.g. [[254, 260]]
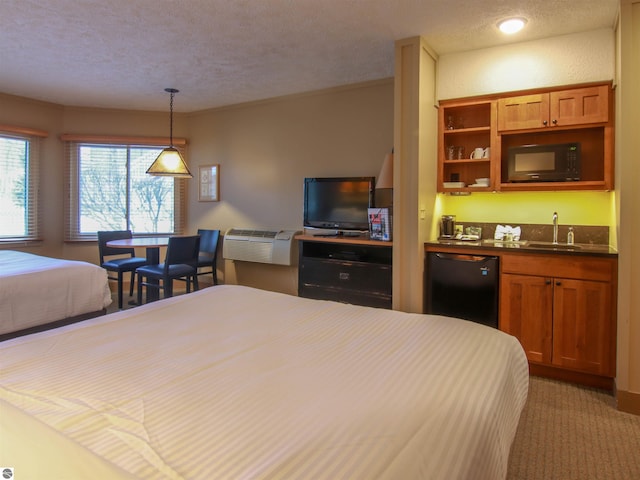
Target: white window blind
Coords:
[[20, 213], [108, 188]]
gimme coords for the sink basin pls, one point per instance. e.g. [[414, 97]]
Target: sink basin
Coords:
[[554, 246]]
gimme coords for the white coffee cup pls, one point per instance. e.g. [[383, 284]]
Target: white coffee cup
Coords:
[[479, 152], [487, 152]]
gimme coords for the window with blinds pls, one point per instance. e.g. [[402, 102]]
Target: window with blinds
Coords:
[[20, 217], [109, 189]]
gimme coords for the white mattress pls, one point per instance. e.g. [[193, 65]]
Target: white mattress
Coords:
[[35, 290], [235, 383]]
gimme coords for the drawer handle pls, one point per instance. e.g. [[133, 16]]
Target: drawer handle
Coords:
[[343, 276]]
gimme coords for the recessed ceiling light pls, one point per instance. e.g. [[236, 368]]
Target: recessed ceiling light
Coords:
[[511, 25]]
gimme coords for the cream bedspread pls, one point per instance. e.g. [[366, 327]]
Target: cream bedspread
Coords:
[[35, 290], [236, 383]]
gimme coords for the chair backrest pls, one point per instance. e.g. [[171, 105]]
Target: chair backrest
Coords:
[[209, 241], [182, 249], [107, 236]]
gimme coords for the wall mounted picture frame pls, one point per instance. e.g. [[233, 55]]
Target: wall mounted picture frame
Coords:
[[209, 183]]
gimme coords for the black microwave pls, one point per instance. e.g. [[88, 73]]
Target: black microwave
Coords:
[[544, 163]]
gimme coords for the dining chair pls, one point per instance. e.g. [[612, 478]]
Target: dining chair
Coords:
[[208, 253], [126, 260], [179, 264]]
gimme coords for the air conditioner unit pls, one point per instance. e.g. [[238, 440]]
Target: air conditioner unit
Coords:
[[262, 246]]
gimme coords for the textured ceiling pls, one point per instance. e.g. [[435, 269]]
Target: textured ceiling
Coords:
[[123, 53]]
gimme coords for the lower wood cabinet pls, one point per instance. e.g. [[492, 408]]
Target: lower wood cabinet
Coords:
[[562, 309], [526, 312]]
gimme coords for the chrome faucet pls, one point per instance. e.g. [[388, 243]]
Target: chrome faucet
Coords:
[[555, 227]]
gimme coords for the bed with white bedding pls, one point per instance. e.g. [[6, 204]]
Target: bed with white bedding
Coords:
[[232, 382], [37, 290]]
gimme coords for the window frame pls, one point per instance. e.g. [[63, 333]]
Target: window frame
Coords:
[[72, 200], [33, 225]]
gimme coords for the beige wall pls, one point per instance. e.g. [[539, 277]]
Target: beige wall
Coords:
[[628, 205], [264, 149], [414, 168], [564, 60], [21, 112], [57, 120]]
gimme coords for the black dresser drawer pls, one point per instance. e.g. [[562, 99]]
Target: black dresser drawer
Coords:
[[346, 275], [355, 297]]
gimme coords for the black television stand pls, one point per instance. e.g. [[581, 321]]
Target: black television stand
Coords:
[[345, 268]]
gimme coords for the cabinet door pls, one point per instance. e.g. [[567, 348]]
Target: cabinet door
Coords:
[[582, 331], [526, 312], [579, 106], [523, 112]]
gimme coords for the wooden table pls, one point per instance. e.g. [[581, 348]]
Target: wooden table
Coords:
[[152, 246]]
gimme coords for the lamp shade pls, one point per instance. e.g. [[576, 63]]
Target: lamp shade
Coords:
[[169, 164], [385, 177]]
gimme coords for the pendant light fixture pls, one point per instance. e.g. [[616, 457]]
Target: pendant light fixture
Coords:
[[170, 163]]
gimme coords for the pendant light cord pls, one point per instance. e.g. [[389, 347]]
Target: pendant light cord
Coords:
[[172, 91], [171, 119]]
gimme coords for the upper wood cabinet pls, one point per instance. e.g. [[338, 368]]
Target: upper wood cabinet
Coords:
[[571, 107], [583, 114], [523, 112]]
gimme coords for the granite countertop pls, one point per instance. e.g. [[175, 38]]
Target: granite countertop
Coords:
[[529, 246]]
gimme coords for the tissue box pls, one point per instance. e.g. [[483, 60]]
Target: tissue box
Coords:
[[380, 224]]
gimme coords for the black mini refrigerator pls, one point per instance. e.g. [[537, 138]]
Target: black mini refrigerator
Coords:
[[463, 286]]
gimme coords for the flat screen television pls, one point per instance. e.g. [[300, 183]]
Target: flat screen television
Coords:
[[338, 203]]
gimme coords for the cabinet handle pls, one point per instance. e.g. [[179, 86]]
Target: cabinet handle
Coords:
[[555, 122], [547, 282], [544, 122], [558, 283]]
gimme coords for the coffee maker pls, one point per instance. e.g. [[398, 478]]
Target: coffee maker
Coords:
[[448, 226]]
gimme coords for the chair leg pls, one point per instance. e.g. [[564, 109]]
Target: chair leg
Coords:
[[168, 287], [120, 290], [215, 275], [195, 283], [139, 289], [133, 277]]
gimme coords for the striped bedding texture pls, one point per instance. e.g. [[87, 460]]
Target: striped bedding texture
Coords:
[[232, 382], [35, 290]]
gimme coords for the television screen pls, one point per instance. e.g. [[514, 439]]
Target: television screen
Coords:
[[339, 203]]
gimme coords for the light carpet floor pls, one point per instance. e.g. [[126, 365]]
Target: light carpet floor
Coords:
[[571, 432]]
